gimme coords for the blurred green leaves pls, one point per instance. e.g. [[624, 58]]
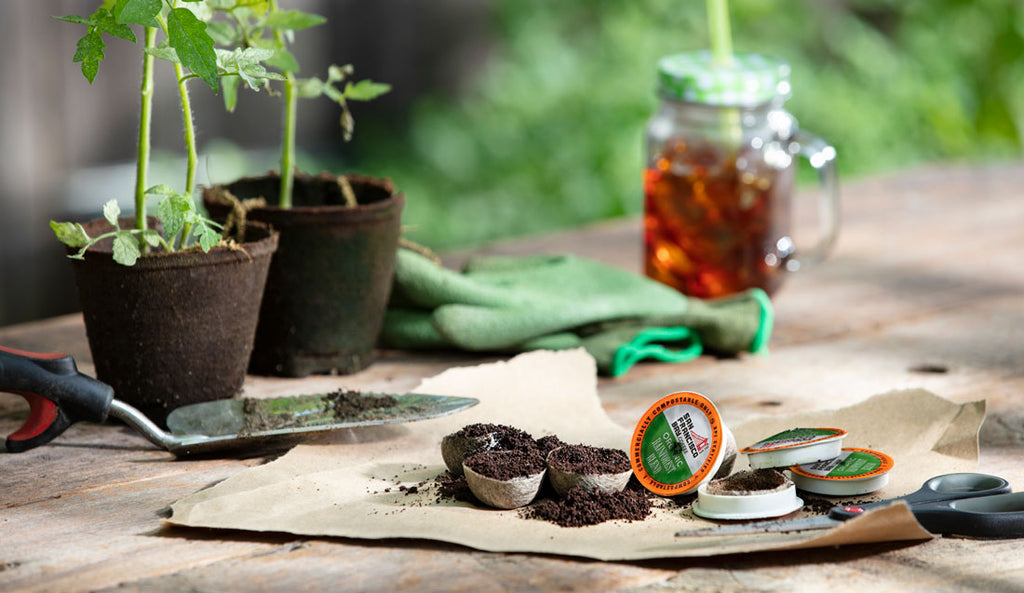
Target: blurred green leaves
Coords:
[[550, 133]]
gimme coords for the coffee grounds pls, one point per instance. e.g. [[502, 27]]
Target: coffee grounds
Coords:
[[548, 444], [821, 506], [580, 508], [507, 438], [584, 459], [452, 487], [745, 482], [347, 405], [506, 465]]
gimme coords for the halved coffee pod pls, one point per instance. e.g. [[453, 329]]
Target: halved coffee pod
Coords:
[[753, 494], [594, 469], [475, 438], [504, 479]]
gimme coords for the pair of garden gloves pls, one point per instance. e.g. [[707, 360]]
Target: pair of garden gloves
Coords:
[[516, 304]]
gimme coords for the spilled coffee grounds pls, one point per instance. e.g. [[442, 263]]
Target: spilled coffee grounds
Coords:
[[580, 508]]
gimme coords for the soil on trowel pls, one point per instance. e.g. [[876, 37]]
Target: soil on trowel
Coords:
[[255, 418], [352, 405]]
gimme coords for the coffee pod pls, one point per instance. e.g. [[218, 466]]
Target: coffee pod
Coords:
[[680, 443], [504, 479], [753, 494], [852, 472], [594, 469], [795, 446]]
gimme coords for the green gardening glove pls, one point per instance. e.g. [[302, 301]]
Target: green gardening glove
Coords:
[[511, 304]]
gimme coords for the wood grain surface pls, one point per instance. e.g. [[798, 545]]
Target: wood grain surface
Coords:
[[925, 289]]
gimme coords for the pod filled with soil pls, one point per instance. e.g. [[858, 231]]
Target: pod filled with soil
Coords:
[[505, 479], [594, 469], [480, 437]]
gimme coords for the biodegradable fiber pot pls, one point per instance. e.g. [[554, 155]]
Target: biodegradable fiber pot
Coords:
[[175, 328], [330, 280]]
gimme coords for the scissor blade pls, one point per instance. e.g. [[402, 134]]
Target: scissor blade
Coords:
[[782, 526]]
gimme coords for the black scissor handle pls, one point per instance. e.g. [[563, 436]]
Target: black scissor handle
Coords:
[[57, 394], [937, 489], [997, 516]]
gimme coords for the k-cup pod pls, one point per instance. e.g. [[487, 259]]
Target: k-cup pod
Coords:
[[852, 472], [795, 446], [754, 494], [680, 443]]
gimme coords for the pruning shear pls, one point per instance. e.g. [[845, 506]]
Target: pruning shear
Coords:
[[970, 504]]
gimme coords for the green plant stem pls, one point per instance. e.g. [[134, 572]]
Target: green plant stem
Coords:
[[145, 127], [190, 145], [291, 102]]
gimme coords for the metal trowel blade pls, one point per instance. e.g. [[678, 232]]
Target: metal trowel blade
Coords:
[[237, 422]]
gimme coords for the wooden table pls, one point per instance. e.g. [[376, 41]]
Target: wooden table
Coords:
[[925, 289]]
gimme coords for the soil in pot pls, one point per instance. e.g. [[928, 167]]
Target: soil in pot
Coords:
[[475, 438], [175, 328], [594, 469], [329, 282], [505, 479]]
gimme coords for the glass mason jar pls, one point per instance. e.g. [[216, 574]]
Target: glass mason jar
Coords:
[[721, 158]]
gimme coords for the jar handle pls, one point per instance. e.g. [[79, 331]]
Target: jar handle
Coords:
[[822, 156]]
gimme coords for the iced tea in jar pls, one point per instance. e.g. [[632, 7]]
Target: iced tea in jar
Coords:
[[718, 184]]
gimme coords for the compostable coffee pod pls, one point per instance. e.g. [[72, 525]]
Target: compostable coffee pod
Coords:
[[752, 494], [853, 472], [679, 443], [795, 447]]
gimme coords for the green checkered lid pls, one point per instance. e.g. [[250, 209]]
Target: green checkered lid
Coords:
[[751, 79]]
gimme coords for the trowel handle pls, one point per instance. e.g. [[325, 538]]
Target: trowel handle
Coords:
[[57, 394]]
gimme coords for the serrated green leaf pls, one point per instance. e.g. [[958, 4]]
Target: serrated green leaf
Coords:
[[223, 32], [108, 24], [89, 52], [365, 90], [160, 190], [137, 12], [71, 234], [111, 211], [126, 249], [71, 18], [208, 237], [163, 53], [151, 237], [283, 60], [293, 20], [172, 211], [229, 90], [187, 35]]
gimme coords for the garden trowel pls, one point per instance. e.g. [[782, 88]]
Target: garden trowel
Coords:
[[59, 395]]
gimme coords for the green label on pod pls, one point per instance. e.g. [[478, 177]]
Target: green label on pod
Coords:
[[851, 464], [795, 437]]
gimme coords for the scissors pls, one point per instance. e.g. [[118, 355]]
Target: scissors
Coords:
[[976, 505]]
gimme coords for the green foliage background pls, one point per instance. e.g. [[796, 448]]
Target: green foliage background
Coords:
[[550, 134]]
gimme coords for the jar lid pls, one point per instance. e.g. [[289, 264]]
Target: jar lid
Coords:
[[679, 443], [750, 79]]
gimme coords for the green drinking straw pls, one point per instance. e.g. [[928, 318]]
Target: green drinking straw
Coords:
[[721, 51]]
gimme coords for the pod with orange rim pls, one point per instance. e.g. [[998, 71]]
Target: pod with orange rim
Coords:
[[853, 472], [679, 443]]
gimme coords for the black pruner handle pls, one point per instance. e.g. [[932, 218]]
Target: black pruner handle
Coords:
[[57, 394]]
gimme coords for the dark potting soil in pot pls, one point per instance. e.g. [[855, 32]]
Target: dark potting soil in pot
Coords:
[[506, 438], [329, 283], [584, 459], [506, 465]]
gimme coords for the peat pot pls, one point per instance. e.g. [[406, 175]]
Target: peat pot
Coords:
[[175, 328], [330, 279]]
